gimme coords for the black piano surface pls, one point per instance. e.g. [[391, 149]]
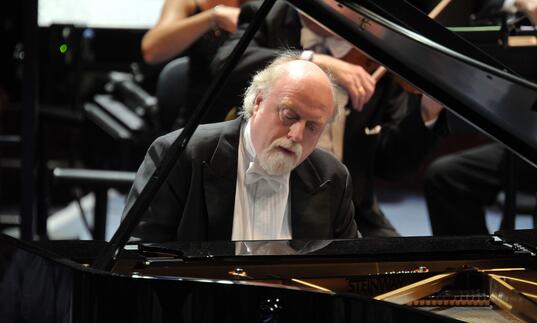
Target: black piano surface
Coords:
[[518, 58], [210, 282]]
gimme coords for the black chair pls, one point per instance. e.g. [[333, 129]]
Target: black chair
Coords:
[[511, 200], [98, 181], [525, 203], [171, 92]]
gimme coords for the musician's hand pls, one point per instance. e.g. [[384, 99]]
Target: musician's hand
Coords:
[[226, 18], [529, 7], [430, 109], [359, 85]]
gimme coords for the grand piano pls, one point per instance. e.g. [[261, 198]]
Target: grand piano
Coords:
[[413, 279]]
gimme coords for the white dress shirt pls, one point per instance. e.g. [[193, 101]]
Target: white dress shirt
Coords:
[[262, 202], [509, 6]]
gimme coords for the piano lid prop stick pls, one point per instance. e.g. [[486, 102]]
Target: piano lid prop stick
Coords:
[[379, 72]]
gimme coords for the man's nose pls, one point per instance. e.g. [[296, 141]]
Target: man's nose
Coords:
[[296, 131]]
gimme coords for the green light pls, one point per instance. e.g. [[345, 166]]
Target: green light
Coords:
[[63, 48]]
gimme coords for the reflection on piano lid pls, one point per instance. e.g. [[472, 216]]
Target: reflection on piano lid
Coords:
[[467, 81]]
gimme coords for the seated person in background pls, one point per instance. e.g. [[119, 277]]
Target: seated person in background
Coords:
[[388, 131], [195, 28], [258, 177], [459, 186]]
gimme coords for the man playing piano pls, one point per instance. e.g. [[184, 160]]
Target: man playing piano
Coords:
[[388, 132], [258, 177]]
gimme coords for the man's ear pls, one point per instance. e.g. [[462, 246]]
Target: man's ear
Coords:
[[257, 102]]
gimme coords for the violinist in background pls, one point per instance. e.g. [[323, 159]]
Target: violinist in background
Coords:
[[194, 28], [387, 132]]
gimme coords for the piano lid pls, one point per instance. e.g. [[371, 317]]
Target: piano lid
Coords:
[[439, 63]]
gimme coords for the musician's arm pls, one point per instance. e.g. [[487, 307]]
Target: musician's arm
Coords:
[[180, 25], [430, 110], [354, 79]]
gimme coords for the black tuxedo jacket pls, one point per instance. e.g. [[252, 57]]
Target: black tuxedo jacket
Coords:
[[197, 200], [398, 149]]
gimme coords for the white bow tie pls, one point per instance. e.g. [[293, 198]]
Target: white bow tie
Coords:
[[256, 173]]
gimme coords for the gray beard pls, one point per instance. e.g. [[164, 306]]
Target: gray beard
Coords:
[[277, 163]]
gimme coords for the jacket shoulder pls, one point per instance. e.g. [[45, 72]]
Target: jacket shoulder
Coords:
[[327, 165], [201, 144]]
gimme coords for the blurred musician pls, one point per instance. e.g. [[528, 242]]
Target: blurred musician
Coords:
[[194, 28], [387, 132], [184, 22], [258, 177]]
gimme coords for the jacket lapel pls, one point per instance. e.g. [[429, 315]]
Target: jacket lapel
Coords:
[[310, 203], [219, 179]]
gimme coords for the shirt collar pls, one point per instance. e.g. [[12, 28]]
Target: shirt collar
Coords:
[[333, 45], [248, 144]]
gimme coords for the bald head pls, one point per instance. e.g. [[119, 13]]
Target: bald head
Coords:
[[290, 66], [304, 77]]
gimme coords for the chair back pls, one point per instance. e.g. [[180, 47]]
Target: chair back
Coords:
[[171, 91]]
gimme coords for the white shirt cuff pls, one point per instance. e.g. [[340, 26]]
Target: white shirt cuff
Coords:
[[509, 6], [429, 124]]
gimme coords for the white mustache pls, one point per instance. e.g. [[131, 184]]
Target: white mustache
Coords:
[[289, 145], [277, 163]]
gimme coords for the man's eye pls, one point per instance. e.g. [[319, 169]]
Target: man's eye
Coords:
[[289, 115], [312, 127]]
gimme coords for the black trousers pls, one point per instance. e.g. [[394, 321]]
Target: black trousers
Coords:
[[459, 186]]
